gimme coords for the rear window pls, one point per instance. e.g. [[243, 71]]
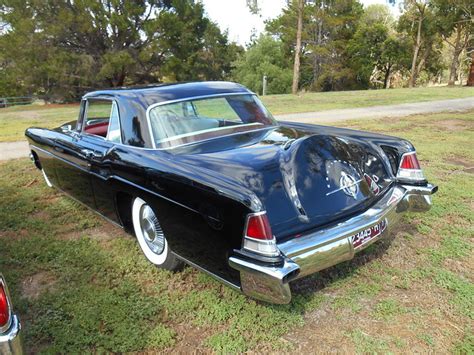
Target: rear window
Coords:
[[194, 120]]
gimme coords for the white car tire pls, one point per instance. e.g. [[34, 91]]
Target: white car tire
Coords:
[[151, 237], [46, 179]]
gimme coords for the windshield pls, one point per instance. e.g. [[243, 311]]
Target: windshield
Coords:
[[194, 120]]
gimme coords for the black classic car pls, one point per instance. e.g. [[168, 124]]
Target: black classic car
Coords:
[[202, 173], [10, 340]]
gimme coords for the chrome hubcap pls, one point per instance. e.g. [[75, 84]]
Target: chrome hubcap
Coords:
[[151, 229]]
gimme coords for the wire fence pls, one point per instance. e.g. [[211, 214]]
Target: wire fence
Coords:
[[15, 100]]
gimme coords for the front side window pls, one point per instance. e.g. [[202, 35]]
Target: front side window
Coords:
[[194, 120], [102, 119]]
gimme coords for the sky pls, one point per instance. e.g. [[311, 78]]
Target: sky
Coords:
[[233, 15]]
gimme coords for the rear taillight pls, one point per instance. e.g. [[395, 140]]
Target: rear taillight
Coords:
[[258, 227], [4, 306], [258, 235], [409, 168]]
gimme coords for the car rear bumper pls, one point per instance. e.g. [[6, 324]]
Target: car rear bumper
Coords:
[[315, 251], [10, 341]]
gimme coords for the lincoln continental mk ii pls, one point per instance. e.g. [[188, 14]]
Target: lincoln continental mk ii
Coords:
[[201, 173]]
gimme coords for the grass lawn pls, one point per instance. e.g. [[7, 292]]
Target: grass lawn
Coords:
[[14, 120], [81, 285], [321, 101]]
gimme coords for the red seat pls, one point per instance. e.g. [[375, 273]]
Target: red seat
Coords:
[[99, 129]]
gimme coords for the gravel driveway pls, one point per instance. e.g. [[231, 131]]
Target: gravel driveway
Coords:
[[13, 150]]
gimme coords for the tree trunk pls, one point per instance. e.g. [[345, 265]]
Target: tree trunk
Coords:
[[455, 61], [421, 63], [416, 49], [299, 30], [316, 57], [470, 79], [386, 79]]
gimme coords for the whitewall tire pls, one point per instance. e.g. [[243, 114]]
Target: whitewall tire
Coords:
[[151, 237], [46, 179]]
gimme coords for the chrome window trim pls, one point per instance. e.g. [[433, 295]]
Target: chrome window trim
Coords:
[[208, 130], [184, 144], [114, 105], [209, 139], [190, 98]]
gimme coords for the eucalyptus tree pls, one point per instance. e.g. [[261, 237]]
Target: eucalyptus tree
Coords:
[[455, 23], [418, 22], [298, 7], [328, 25]]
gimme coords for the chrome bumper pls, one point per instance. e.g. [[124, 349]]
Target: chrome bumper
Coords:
[[10, 342], [326, 247]]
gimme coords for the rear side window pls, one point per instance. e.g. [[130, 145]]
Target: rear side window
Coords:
[[113, 134], [102, 119]]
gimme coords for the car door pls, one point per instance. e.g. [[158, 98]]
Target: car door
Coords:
[[102, 157], [84, 167], [72, 166]]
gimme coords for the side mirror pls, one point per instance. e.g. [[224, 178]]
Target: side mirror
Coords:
[[66, 128]]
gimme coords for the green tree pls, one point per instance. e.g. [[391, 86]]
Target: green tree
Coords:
[[264, 57], [376, 50], [328, 25], [455, 23], [395, 57], [62, 48], [296, 7], [366, 48], [418, 22]]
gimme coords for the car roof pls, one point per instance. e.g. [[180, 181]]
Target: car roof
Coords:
[[148, 95]]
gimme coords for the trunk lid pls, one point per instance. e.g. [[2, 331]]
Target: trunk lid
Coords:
[[304, 179]]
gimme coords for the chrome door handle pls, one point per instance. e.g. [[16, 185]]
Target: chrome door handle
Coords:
[[90, 154]]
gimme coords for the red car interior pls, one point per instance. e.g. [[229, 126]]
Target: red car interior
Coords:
[[99, 129]]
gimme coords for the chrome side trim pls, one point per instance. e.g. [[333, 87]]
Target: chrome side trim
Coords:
[[116, 177]]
